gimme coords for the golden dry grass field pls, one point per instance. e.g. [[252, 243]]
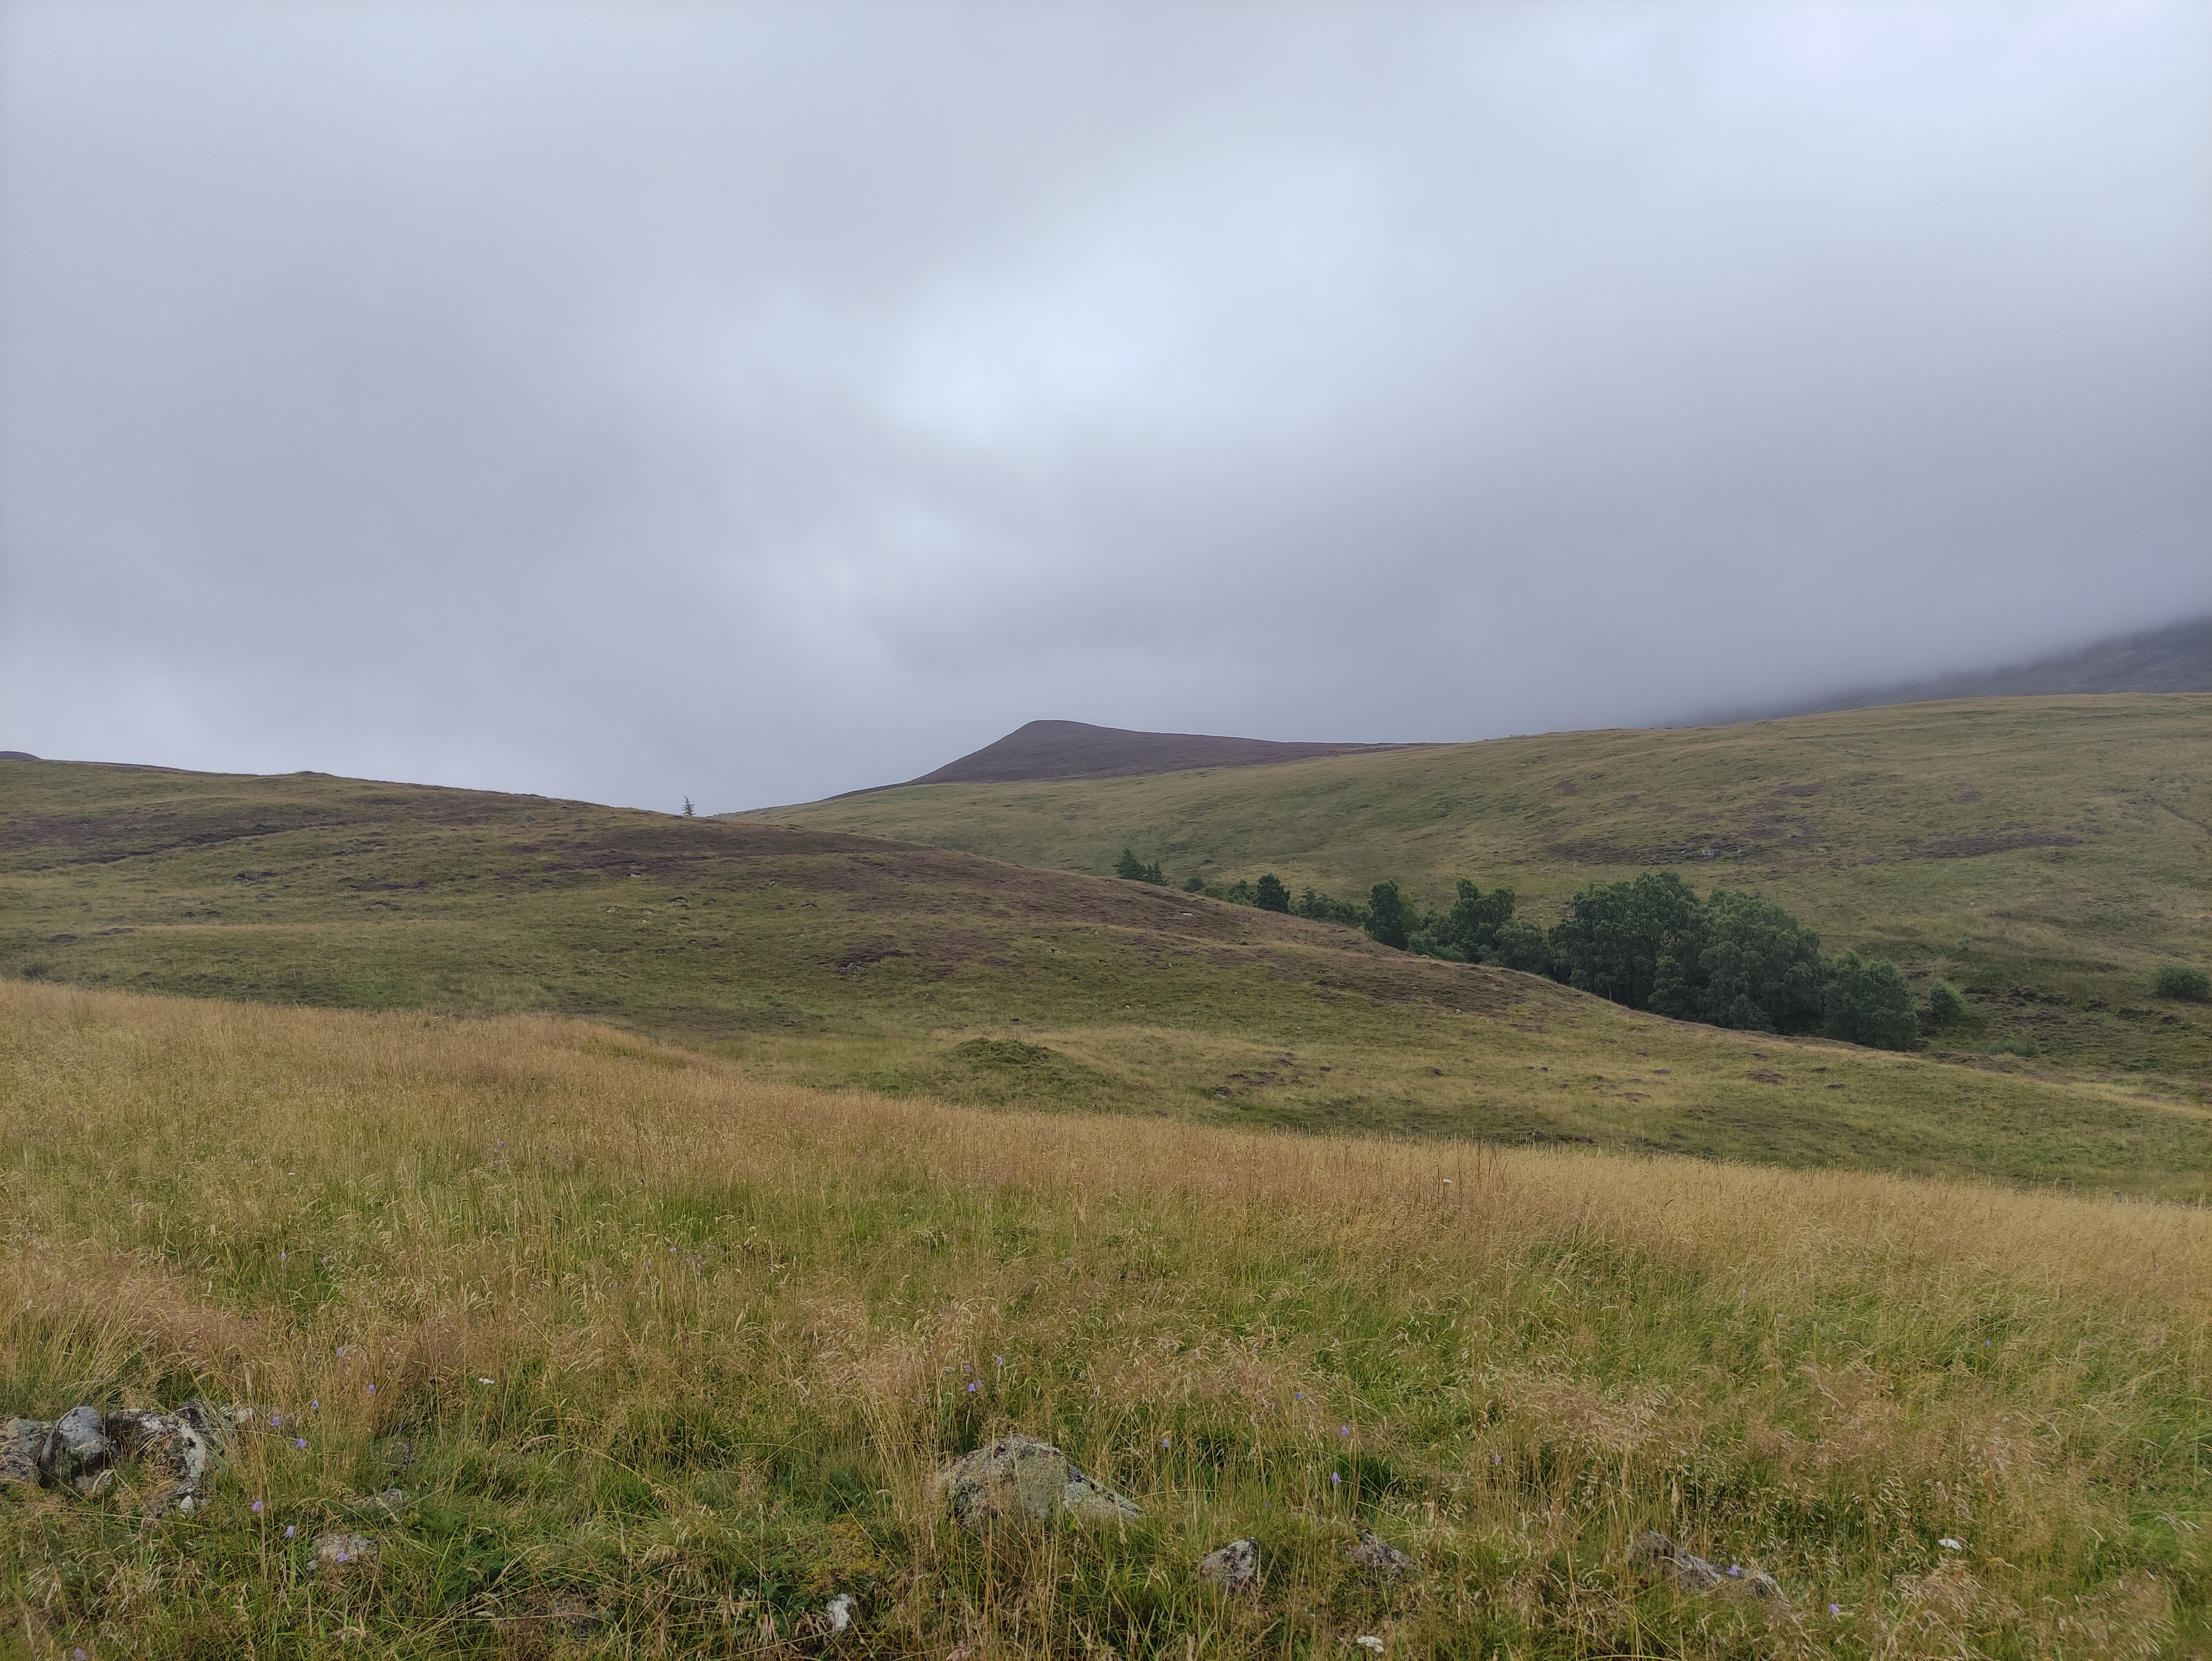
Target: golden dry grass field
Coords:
[[659, 1353]]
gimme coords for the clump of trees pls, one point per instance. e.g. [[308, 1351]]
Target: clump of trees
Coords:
[[1323, 908], [1730, 960], [1136, 870]]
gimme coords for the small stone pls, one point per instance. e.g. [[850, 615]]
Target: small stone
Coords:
[[840, 1611], [178, 1445], [338, 1553], [578, 1618], [75, 1450], [20, 1442], [1234, 1567], [1020, 1474], [391, 1499], [1692, 1573], [1369, 1642], [1372, 1552]]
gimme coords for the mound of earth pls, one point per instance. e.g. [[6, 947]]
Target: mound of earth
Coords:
[[1075, 750]]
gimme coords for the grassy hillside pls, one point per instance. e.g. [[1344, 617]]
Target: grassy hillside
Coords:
[[834, 961], [2051, 852], [658, 1357]]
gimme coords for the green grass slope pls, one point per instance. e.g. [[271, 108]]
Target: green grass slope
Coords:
[[829, 960], [2051, 852]]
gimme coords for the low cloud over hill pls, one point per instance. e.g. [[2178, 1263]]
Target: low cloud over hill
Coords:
[[2175, 658]]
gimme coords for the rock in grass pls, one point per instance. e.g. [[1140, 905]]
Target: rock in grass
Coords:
[[340, 1553], [81, 1449], [840, 1610], [1234, 1567], [1377, 1555], [181, 1446], [580, 1618], [74, 1451], [1686, 1569], [20, 1442], [1017, 1474]]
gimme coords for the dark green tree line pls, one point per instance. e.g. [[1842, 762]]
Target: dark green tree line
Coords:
[[1730, 960]]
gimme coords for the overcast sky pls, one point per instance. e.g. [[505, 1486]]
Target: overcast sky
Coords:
[[752, 402]]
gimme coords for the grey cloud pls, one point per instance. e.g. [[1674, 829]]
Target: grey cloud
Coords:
[[755, 403]]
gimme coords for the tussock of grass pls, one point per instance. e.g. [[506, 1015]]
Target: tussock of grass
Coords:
[[730, 1326]]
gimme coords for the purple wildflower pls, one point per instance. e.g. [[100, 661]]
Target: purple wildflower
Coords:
[[1344, 1430], [257, 1508], [275, 1420], [371, 1389], [299, 1441], [1336, 1477], [972, 1389], [1732, 1569], [1835, 1609]]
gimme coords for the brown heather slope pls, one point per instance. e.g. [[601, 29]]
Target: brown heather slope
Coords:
[[1076, 749]]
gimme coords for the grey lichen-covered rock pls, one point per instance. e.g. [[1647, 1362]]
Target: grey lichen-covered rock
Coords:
[[1668, 1561], [1019, 1474], [339, 1553], [1234, 1567], [75, 1452], [181, 1446], [81, 1449], [21, 1439], [1377, 1555]]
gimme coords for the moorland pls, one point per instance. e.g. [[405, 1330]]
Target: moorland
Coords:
[[2045, 854], [645, 1204], [823, 957]]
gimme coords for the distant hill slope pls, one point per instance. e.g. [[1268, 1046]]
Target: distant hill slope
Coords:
[[2054, 845], [1076, 749], [830, 959], [2175, 659]]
